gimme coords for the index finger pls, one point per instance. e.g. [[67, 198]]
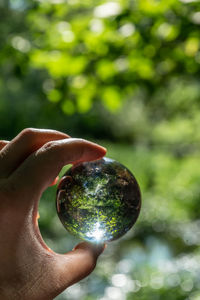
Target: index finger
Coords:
[[40, 168]]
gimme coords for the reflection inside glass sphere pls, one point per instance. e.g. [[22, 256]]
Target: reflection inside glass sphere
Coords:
[[97, 233], [98, 201]]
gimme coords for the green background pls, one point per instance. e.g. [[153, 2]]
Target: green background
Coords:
[[125, 74]]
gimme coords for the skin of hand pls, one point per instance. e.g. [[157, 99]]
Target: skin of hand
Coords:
[[29, 163]]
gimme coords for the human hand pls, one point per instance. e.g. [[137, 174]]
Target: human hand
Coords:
[[29, 270]]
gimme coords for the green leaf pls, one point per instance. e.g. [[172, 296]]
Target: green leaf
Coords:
[[111, 98], [54, 96], [68, 107]]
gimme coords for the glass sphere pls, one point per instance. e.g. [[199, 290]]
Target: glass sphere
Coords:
[[98, 201]]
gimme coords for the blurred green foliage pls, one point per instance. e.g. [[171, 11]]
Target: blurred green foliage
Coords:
[[125, 73]]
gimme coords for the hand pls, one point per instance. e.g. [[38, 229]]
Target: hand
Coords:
[[29, 270]]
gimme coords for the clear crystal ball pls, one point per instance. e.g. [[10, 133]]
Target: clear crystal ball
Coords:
[[98, 201]]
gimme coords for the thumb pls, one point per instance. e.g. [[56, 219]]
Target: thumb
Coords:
[[77, 264]]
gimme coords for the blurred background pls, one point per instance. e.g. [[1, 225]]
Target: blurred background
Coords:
[[125, 74]]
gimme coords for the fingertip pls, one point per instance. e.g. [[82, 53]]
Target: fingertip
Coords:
[[95, 249], [102, 150], [93, 152], [85, 150]]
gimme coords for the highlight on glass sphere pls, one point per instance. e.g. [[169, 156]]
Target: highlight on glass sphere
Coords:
[[98, 201]]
